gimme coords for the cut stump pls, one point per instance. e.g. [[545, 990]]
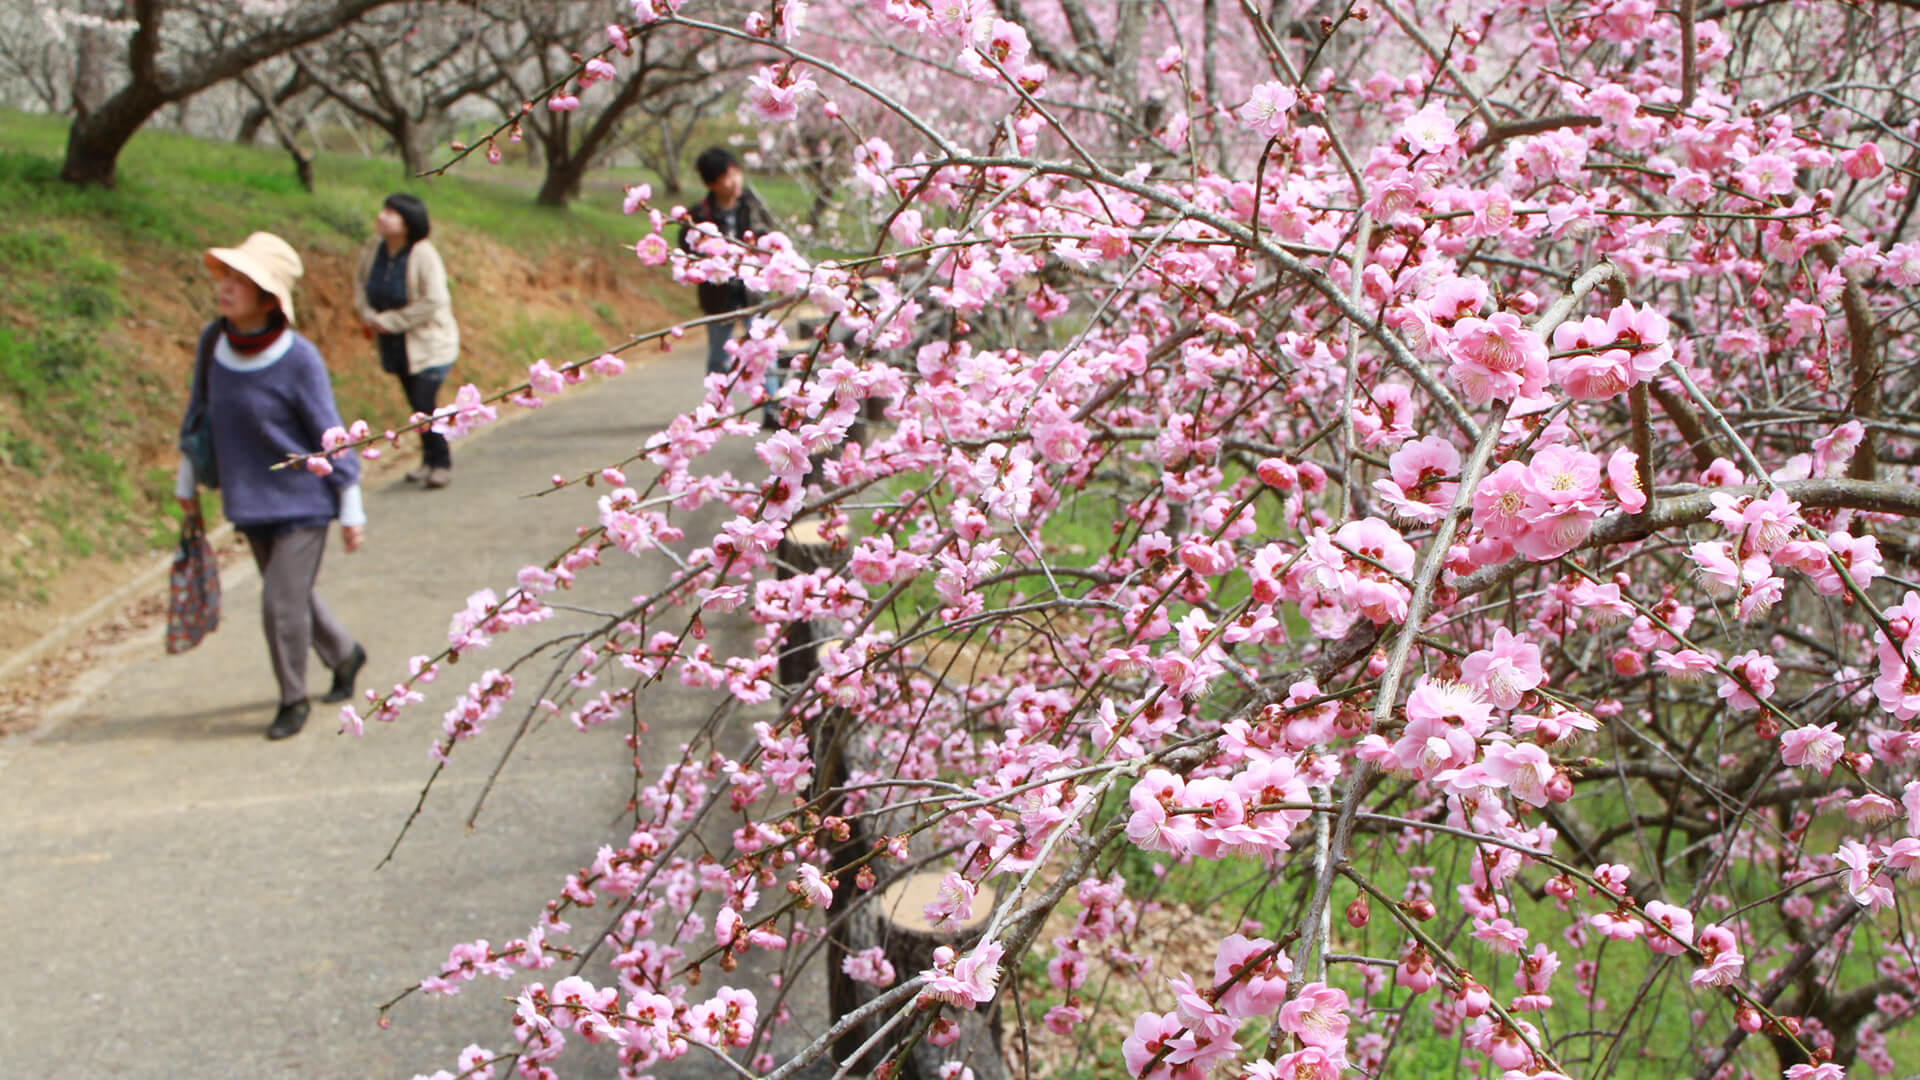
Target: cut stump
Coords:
[[802, 550], [895, 921]]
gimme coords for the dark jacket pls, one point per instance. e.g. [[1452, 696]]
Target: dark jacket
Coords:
[[749, 216]]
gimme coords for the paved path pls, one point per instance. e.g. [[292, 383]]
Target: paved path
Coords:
[[181, 898]]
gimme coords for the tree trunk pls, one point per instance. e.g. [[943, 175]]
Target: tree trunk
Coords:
[[302, 168], [250, 125], [802, 550], [256, 117], [669, 164], [410, 139], [92, 51], [890, 919], [302, 161], [562, 183], [1209, 46], [568, 160], [95, 140]]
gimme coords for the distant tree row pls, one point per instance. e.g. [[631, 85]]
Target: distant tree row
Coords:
[[408, 69]]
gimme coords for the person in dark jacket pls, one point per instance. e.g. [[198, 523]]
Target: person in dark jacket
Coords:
[[266, 396], [402, 300], [737, 212]]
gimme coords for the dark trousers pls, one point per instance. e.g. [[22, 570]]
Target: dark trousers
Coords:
[[423, 394], [290, 611], [718, 334]]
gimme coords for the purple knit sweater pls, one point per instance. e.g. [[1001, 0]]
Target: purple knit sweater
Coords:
[[264, 407]]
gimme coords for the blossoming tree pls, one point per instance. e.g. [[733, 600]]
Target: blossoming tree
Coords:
[[1494, 421]]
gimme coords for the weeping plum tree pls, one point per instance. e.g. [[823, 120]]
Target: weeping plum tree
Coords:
[[1497, 420]]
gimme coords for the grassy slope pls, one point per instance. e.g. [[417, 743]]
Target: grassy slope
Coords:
[[105, 293]]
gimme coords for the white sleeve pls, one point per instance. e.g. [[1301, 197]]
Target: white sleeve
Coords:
[[183, 479], [353, 510]]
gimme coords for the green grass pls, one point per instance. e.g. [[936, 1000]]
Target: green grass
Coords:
[[563, 338], [1658, 1043], [79, 409], [185, 193]]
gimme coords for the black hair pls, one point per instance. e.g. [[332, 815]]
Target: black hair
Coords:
[[713, 163], [413, 212]]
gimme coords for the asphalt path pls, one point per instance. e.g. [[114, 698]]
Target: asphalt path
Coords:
[[180, 897]]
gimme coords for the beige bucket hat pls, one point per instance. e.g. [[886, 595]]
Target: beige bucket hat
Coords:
[[267, 261]]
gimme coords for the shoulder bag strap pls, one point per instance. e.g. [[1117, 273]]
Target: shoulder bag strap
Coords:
[[203, 365]]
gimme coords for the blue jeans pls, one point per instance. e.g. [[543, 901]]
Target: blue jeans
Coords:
[[718, 334]]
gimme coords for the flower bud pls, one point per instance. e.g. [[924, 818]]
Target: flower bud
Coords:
[[1415, 970], [1358, 913], [1474, 998], [1420, 910], [1864, 162], [1350, 721], [1559, 787], [1277, 474]]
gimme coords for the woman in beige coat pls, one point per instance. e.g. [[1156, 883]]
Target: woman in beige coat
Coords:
[[401, 297]]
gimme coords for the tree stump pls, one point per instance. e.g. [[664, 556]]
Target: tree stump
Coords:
[[894, 921], [826, 741], [802, 550]]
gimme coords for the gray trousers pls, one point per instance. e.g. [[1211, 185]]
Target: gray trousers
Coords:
[[291, 612]]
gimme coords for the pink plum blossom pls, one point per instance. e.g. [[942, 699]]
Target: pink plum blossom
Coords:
[[1266, 112], [1317, 1016], [1497, 358]]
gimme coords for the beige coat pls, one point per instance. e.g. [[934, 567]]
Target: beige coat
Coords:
[[433, 338]]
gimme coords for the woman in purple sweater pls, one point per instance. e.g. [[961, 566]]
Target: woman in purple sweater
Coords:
[[266, 395]]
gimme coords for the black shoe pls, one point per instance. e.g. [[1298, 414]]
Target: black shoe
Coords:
[[344, 675], [288, 721]]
